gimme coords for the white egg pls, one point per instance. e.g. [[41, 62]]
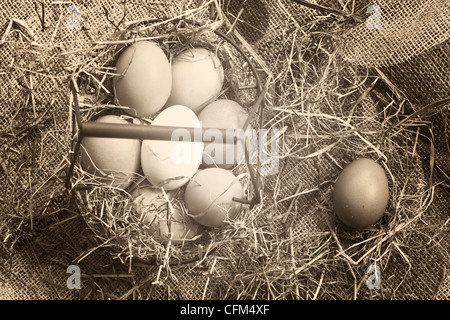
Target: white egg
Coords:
[[197, 78], [144, 79], [224, 114], [171, 164], [178, 227], [148, 200], [114, 161], [163, 221], [209, 197]]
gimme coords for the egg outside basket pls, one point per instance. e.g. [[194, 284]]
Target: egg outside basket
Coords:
[[109, 211]]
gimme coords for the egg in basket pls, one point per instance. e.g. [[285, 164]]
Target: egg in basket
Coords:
[[164, 171]]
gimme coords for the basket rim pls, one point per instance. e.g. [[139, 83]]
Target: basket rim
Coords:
[[256, 109], [84, 129]]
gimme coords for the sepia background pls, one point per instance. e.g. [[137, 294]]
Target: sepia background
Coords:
[[342, 82]]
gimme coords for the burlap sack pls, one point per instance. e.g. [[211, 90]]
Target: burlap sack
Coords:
[[320, 68]]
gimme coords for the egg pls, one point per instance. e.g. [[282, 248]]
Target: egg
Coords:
[[197, 78], [361, 193], [163, 223], [171, 164], [144, 79], [115, 161], [223, 114], [148, 200], [208, 197], [178, 227]]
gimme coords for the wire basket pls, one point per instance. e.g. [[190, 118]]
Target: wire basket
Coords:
[[109, 211]]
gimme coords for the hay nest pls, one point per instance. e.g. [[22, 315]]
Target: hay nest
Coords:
[[110, 211]]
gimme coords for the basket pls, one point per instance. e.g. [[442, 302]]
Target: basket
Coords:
[[108, 211]]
